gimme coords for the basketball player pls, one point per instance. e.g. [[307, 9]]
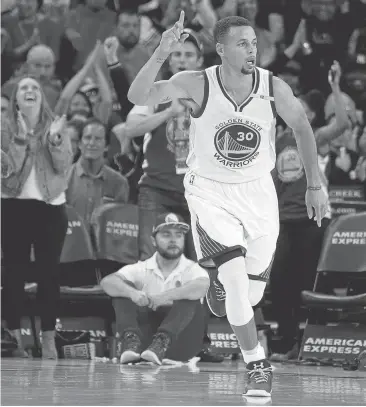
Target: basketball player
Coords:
[[229, 187]]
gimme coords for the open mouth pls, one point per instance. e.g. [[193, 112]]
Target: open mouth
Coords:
[[30, 97], [181, 68], [251, 61]]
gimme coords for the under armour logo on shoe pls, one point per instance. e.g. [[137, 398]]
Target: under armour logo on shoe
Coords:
[[259, 366], [220, 293]]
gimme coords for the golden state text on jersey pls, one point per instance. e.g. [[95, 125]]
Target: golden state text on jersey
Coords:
[[234, 143]]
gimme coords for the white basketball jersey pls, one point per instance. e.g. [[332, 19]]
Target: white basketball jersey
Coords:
[[231, 143]]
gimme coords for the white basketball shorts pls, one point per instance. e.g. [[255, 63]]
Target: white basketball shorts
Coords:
[[227, 216]]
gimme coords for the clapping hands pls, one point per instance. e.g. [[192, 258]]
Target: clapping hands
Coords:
[[155, 301]]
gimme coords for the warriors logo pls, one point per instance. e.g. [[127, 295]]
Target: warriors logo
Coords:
[[237, 144], [177, 134], [289, 165], [171, 218]]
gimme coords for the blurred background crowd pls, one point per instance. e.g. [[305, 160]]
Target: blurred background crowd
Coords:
[[66, 45]]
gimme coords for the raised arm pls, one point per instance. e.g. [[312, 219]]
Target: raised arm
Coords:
[[117, 74], [104, 108], [144, 90], [292, 112], [339, 123], [75, 82]]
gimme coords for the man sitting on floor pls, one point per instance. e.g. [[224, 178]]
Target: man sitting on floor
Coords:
[[161, 297]]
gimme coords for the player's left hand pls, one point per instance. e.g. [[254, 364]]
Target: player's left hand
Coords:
[[158, 300], [316, 201]]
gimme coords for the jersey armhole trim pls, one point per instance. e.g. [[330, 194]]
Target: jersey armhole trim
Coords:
[[271, 94], [205, 98]]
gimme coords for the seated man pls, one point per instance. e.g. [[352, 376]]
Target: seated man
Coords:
[[161, 294]]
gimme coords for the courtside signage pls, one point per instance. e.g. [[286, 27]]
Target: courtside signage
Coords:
[[333, 342]]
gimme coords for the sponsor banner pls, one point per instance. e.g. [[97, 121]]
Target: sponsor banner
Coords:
[[94, 325], [343, 207], [223, 339], [348, 193], [349, 237], [333, 342]]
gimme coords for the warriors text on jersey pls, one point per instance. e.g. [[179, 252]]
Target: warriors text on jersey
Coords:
[[231, 143]]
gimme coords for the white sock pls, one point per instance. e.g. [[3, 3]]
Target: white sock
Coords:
[[253, 355]]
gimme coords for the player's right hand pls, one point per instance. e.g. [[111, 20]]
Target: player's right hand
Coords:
[[173, 36]]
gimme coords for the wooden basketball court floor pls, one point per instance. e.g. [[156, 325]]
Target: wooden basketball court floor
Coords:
[[73, 382]]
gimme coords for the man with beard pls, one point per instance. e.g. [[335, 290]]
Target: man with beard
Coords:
[[160, 296], [130, 54]]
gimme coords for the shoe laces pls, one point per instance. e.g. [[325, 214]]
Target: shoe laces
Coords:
[[220, 292], [260, 375]]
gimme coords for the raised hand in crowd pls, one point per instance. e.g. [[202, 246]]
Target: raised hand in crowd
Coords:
[[56, 130], [334, 75], [343, 161], [22, 126], [111, 45]]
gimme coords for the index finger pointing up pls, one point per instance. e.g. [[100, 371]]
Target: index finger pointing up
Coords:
[[181, 18]]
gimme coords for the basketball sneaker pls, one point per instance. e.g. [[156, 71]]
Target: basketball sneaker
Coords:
[[156, 351], [131, 348], [259, 379], [216, 294]]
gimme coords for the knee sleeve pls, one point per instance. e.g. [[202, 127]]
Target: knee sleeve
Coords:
[[256, 291], [234, 278]]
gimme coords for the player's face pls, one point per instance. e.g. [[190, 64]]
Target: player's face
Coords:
[[169, 243], [184, 57], [239, 49]]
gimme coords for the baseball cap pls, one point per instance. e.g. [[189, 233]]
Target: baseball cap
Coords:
[[170, 220], [192, 37]]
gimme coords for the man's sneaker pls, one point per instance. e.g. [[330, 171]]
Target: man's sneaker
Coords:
[[259, 379], [208, 356], [131, 348], [216, 295], [156, 351]]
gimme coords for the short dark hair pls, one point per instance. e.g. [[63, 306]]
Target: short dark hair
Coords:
[[223, 26], [97, 122], [130, 11]]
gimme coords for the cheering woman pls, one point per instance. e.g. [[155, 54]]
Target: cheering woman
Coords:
[[37, 156]]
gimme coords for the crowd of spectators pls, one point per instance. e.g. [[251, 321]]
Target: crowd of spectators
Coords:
[[86, 53]]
